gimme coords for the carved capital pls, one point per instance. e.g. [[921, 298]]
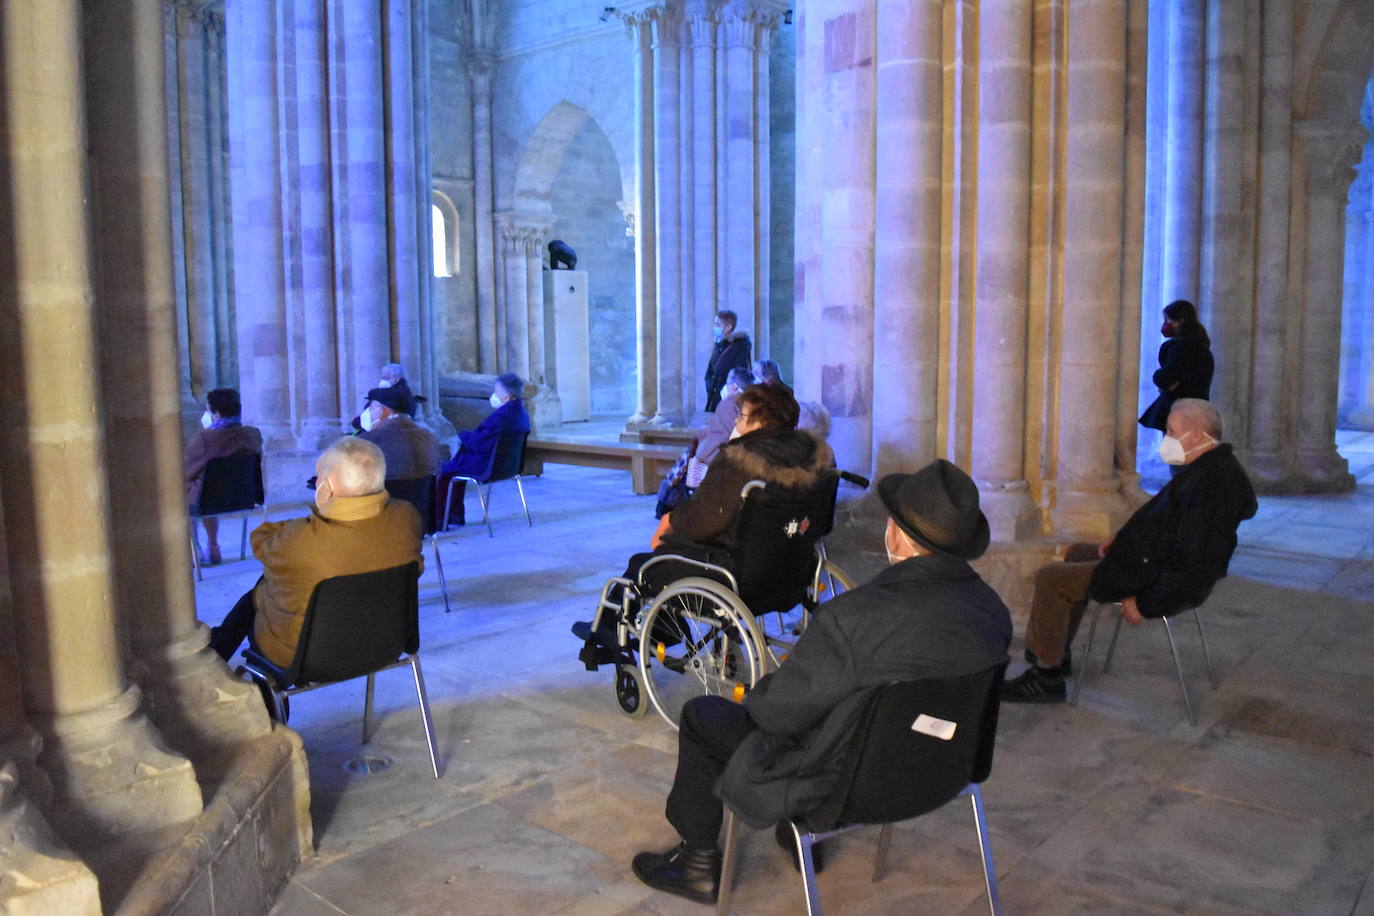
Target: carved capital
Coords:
[[1330, 152], [523, 234], [480, 67]]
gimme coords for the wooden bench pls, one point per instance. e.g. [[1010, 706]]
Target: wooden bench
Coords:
[[647, 464], [660, 435]]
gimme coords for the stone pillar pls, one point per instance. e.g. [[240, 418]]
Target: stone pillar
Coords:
[[200, 709], [1329, 153], [1358, 398], [1004, 124], [843, 37], [906, 256], [739, 147], [1088, 501], [117, 792], [702, 26], [256, 181], [1183, 153], [1270, 385], [763, 333], [646, 250], [1133, 254], [523, 237], [667, 42], [479, 68]]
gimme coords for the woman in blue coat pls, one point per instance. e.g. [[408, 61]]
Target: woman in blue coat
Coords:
[[478, 444]]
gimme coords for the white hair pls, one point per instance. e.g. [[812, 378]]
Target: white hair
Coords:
[[1198, 414], [393, 371], [355, 467], [814, 419]]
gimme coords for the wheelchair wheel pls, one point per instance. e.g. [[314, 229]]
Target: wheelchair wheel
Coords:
[[628, 691], [697, 639], [830, 581], [781, 631]]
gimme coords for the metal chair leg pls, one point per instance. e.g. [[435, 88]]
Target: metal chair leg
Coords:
[[521, 487], [448, 499], [1111, 649], [729, 858], [243, 538], [195, 553], [1206, 655], [980, 821], [880, 860], [1178, 666], [808, 862], [367, 708], [482, 498], [414, 659], [1087, 653], [439, 564]]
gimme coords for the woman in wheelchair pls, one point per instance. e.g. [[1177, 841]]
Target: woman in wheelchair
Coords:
[[766, 446]]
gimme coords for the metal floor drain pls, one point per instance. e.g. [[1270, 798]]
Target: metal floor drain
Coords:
[[367, 764]]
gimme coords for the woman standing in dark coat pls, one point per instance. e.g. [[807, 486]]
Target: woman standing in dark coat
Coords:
[[1185, 363]]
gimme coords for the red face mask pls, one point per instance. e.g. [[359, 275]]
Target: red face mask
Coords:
[[1168, 329]]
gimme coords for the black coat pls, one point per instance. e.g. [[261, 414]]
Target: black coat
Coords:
[[731, 352], [1174, 548], [930, 616], [1185, 371]]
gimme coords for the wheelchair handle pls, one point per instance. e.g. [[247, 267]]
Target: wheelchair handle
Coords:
[[857, 480]]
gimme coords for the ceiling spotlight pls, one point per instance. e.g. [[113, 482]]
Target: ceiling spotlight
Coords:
[[606, 14]]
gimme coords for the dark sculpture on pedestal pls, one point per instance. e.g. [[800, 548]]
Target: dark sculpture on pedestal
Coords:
[[560, 253]]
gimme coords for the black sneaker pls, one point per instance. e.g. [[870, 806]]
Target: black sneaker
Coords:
[[1035, 685], [690, 873], [1065, 661]]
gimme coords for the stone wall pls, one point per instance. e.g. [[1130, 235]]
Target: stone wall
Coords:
[[782, 154]]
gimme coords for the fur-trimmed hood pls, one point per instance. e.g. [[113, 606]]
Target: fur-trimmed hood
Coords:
[[787, 457]]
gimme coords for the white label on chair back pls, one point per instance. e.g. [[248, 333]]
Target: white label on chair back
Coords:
[[936, 728]]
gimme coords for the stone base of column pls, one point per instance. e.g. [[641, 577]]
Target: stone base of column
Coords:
[[1088, 512], [118, 794], [667, 420], [1266, 470], [639, 421], [201, 710], [285, 472], [21, 751], [37, 874], [1012, 514], [1324, 471], [317, 432], [545, 408], [240, 852]]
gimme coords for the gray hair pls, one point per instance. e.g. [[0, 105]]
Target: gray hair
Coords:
[[355, 467], [393, 371], [815, 419], [740, 376], [1198, 414], [511, 383]]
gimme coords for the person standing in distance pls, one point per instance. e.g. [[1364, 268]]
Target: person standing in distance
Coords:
[[732, 351]]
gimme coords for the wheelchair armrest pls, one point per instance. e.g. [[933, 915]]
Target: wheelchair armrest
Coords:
[[700, 564]]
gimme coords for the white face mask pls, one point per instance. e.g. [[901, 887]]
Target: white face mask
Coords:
[[322, 497], [495, 400], [725, 392], [887, 547], [735, 433], [206, 421], [383, 383], [1171, 451], [365, 418]]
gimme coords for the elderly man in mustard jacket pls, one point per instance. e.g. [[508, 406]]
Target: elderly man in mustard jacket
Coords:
[[354, 528]]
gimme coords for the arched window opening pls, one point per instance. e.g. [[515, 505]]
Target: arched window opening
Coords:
[[439, 236]]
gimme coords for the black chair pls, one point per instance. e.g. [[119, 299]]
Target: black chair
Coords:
[[229, 486], [419, 492], [1173, 648], [507, 463], [354, 626], [919, 745]]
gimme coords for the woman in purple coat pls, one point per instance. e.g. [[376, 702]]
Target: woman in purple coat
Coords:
[[478, 444]]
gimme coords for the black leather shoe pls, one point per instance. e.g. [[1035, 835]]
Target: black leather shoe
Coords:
[[1035, 685], [783, 834], [690, 873], [1065, 661]]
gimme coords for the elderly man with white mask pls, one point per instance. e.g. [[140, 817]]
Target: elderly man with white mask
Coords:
[[354, 527], [1165, 559]]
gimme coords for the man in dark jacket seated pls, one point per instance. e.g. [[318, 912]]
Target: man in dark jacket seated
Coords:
[[778, 754], [478, 444], [1165, 559]]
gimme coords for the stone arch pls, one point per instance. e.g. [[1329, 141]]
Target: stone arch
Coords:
[[1334, 87], [448, 212]]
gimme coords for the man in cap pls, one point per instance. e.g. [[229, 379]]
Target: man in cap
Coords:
[[411, 450], [775, 757]]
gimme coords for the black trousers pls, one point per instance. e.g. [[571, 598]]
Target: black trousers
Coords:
[[236, 626], [710, 730]]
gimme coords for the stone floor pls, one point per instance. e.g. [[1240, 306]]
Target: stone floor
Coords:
[[1118, 805]]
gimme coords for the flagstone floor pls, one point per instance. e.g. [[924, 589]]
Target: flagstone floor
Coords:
[[1117, 805]]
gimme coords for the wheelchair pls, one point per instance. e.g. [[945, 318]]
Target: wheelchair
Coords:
[[731, 616]]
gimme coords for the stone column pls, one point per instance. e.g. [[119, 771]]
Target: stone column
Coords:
[[200, 709], [766, 24], [702, 25], [1269, 383], [1133, 255], [906, 256], [667, 113], [1329, 153], [256, 179], [1359, 350], [738, 150], [479, 68], [1184, 153], [999, 419], [646, 223], [117, 791], [523, 236], [844, 129], [1088, 501]]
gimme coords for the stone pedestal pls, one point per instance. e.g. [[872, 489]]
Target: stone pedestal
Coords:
[[565, 304]]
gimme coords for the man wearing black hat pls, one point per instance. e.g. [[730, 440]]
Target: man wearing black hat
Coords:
[[775, 757], [411, 451]]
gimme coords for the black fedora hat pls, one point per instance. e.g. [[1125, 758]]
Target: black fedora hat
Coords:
[[388, 397], [938, 507]]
